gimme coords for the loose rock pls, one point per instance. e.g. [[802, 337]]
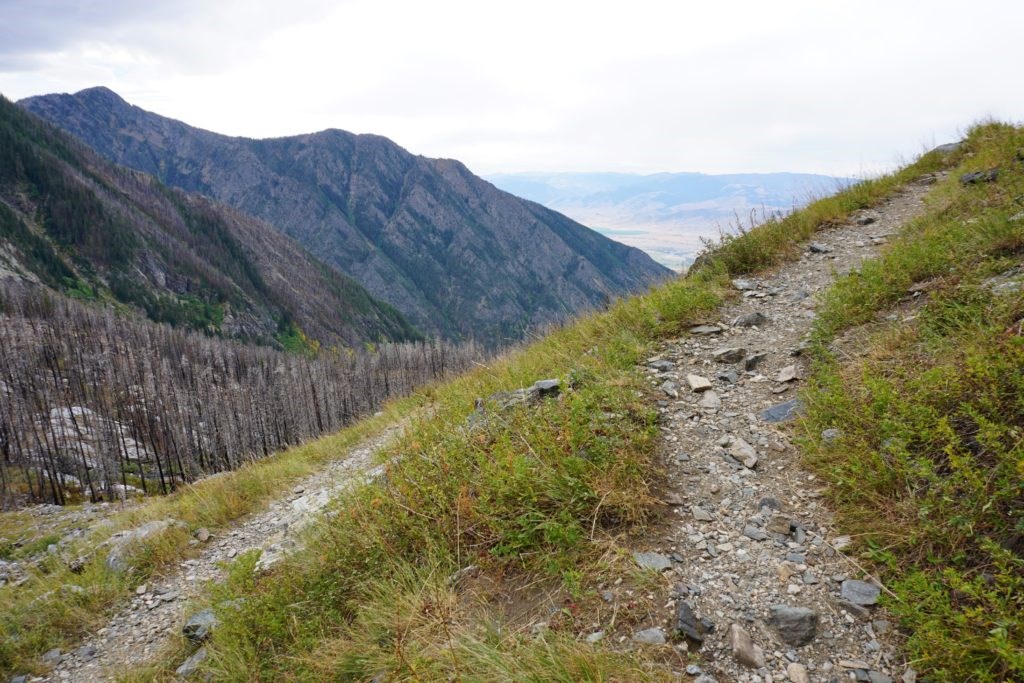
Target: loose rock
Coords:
[[729, 355], [653, 561], [650, 636], [711, 401], [671, 389], [706, 329], [781, 411], [797, 673], [200, 625], [688, 624], [976, 177], [728, 376], [51, 657], [794, 625], [743, 648], [700, 514], [698, 383], [744, 452], [661, 365], [860, 592], [191, 665], [787, 374], [755, 319], [753, 360]]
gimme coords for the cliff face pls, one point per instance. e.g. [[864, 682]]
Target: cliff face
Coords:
[[457, 256], [76, 222]]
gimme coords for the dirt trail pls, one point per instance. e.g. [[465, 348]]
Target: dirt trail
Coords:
[[140, 629], [750, 534]]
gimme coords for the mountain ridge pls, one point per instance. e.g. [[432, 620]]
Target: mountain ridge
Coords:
[[456, 255], [76, 222]]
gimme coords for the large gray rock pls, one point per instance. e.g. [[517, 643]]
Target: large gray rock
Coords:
[[860, 592], [947, 148], [787, 374], [705, 329], [191, 665], [976, 177], [729, 355], [200, 625], [781, 411], [794, 625], [753, 360], [754, 319], [652, 561], [744, 649], [119, 555], [744, 452], [661, 365], [698, 383], [650, 636], [797, 673], [711, 401], [689, 625], [506, 400]]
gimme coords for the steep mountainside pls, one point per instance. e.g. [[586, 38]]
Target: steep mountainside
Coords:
[[666, 214], [455, 254], [76, 222]]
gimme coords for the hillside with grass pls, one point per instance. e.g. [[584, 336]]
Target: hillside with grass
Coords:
[[522, 536]]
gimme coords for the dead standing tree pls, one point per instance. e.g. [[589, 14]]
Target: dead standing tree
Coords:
[[99, 405]]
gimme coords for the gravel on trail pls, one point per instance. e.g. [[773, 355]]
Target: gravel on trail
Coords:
[[768, 593]]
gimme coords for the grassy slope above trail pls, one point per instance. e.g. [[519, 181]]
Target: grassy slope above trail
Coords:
[[929, 471]]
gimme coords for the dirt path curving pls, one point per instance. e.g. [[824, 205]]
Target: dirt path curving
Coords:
[[752, 550], [138, 631]]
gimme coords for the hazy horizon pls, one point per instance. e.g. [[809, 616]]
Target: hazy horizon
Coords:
[[661, 87]]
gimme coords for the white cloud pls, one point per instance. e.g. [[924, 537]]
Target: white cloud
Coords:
[[642, 86]]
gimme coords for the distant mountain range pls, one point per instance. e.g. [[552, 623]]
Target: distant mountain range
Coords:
[[666, 214], [457, 256], [74, 221]]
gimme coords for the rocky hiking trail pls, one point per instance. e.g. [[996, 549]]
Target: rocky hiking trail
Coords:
[[761, 590], [761, 586], [157, 611]]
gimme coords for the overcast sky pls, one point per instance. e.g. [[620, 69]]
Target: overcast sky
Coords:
[[835, 87]]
